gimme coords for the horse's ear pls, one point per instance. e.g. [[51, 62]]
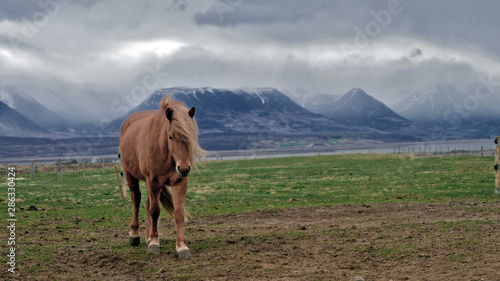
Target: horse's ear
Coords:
[[192, 111], [169, 114]]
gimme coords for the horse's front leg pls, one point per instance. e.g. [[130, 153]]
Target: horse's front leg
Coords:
[[153, 209], [179, 193], [135, 194]]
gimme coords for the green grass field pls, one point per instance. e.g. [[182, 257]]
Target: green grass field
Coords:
[[219, 188], [234, 186]]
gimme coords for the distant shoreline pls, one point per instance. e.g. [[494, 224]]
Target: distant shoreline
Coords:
[[464, 146]]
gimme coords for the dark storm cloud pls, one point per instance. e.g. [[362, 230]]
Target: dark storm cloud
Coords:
[[461, 23], [234, 12], [16, 10]]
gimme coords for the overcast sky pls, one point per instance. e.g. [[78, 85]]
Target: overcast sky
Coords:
[[124, 49]]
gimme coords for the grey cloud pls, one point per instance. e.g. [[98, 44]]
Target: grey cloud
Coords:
[[179, 5], [233, 12], [298, 21], [415, 52], [197, 66], [73, 49], [455, 24], [16, 10], [17, 43]]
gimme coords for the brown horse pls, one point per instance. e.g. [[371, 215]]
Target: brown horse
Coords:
[[160, 148]]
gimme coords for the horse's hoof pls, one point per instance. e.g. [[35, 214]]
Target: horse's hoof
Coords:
[[154, 248], [184, 253], [134, 241]]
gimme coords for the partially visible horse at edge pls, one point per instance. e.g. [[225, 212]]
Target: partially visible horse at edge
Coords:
[[161, 148]]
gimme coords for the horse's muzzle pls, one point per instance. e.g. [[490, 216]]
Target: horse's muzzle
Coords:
[[183, 173]]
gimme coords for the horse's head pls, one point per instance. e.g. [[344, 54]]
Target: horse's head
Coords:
[[182, 137]]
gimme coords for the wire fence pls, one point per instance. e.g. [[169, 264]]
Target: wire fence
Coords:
[[105, 164], [419, 150], [94, 166]]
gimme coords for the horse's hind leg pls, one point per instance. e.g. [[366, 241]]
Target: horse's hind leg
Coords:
[[135, 194]]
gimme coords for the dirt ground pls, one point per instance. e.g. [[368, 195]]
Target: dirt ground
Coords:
[[407, 241]]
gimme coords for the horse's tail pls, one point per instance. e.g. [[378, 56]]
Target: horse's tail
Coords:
[[166, 200]]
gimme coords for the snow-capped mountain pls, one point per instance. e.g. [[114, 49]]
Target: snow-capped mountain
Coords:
[[317, 103], [429, 105], [356, 107], [247, 110], [14, 124], [17, 99], [444, 105]]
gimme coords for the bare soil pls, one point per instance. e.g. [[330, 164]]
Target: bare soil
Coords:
[[407, 241]]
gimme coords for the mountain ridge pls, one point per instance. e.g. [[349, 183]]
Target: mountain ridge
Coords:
[[14, 124], [445, 105], [356, 107], [246, 110], [18, 100]]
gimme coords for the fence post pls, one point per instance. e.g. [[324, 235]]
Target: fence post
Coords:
[[83, 167], [6, 170], [102, 162], [497, 163], [120, 188], [59, 169], [32, 169]]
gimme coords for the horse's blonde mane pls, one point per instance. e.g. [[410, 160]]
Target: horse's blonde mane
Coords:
[[184, 127]]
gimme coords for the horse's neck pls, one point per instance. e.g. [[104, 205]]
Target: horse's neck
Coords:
[[159, 131]]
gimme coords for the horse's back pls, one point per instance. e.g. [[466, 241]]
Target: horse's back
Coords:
[[136, 121], [132, 141]]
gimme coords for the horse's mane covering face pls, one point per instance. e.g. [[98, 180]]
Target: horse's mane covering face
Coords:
[[183, 127]]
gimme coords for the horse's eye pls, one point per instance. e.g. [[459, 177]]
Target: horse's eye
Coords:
[[169, 136]]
